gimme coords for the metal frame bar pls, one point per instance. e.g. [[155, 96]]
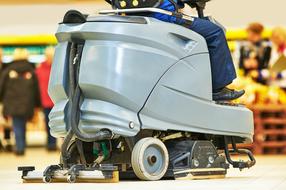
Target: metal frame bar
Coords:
[[238, 164]]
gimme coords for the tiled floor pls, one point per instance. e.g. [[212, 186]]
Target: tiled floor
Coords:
[[268, 174]]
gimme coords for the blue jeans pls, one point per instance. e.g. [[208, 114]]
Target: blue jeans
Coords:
[[51, 142], [19, 126], [222, 67]]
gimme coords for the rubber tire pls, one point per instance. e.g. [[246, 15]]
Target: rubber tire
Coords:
[[47, 179], [71, 179], [137, 158]]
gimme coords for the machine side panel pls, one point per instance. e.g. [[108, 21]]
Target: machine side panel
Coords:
[[58, 90], [116, 78], [173, 105], [96, 115], [121, 73], [191, 76], [57, 120], [59, 73]]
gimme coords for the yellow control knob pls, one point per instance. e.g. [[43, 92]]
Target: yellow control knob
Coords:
[[135, 3], [122, 4]]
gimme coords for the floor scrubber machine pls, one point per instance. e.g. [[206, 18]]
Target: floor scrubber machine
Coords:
[[133, 99]]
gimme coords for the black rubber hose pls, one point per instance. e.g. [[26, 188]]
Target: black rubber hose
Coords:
[[64, 148], [74, 120], [79, 146], [72, 76], [65, 155], [75, 94]]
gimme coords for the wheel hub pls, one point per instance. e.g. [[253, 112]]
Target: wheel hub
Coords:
[[152, 159]]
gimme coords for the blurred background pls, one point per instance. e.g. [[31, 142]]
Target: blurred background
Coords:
[[256, 36]]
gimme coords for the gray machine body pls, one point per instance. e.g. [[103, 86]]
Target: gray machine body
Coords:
[[136, 76]]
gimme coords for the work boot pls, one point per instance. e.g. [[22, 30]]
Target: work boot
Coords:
[[226, 94]]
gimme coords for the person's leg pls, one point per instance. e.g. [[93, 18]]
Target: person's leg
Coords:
[[51, 141], [7, 138], [223, 71], [222, 67], [1, 146], [19, 126]]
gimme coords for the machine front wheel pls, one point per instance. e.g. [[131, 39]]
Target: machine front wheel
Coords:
[[150, 159], [71, 178], [47, 179]]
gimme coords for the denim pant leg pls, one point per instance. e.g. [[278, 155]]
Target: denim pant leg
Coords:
[[51, 140], [19, 126], [223, 71]]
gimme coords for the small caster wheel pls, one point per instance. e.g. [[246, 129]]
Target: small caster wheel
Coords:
[[47, 179], [71, 179], [150, 159]]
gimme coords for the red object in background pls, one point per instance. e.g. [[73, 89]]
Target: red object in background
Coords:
[[281, 48], [43, 74]]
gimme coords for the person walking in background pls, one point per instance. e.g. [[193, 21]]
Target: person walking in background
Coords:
[[1, 117], [278, 56], [20, 95], [1, 57], [278, 39], [255, 54], [43, 74], [5, 144]]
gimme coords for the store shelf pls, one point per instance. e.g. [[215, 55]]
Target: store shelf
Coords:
[[270, 129]]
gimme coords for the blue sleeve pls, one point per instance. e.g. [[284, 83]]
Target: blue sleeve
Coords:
[[168, 6]]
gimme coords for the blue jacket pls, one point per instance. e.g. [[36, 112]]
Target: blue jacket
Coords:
[[168, 6]]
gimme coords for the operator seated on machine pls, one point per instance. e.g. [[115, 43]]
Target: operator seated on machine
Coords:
[[223, 71]]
